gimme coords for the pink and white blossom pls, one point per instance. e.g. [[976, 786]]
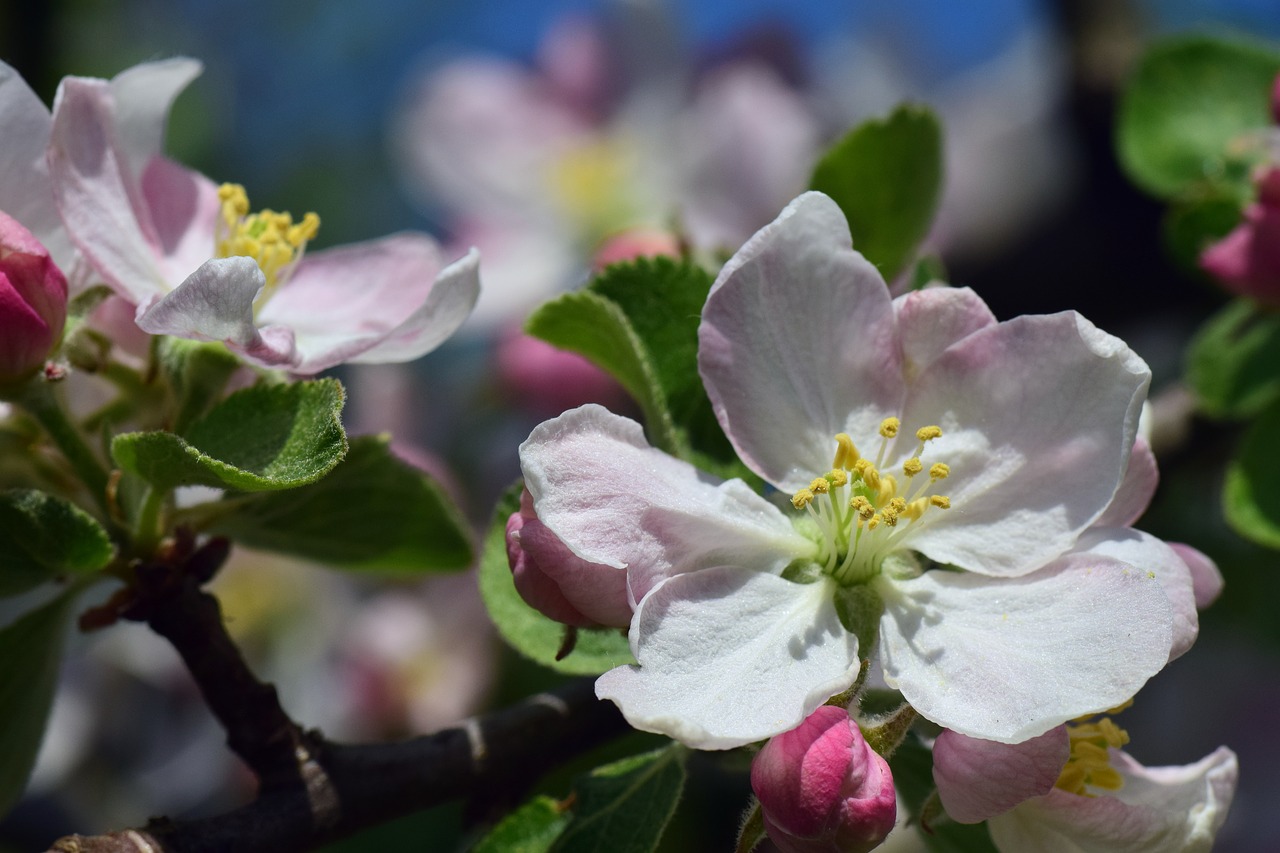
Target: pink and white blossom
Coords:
[[1141, 810], [994, 617], [151, 228]]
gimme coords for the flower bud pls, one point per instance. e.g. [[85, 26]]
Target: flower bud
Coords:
[[635, 243], [1247, 260], [557, 582], [33, 302], [822, 789]]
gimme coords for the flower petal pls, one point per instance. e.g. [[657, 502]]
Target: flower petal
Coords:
[[377, 301], [99, 200], [613, 499], [729, 656], [1158, 560], [798, 343], [215, 303], [1157, 809], [1038, 417], [1206, 580], [979, 779], [143, 96], [1008, 659], [933, 319], [1139, 484]]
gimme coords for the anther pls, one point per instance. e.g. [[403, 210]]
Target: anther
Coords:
[[802, 499], [928, 433], [940, 501], [819, 486], [862, 507], [939, 471], [837, 478], [889, 427], [912, 466]]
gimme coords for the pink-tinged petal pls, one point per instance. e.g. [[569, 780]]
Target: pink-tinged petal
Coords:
[[933, 319], [1007, 659], [143, 96], [1206, 580], [1136, 489], [557, 582], [24, 175], [99, 200], [748, 142], [215, 303], [1038, 417], [1153, 557], [979, 779], [383, 300], [1158, 809], [798, 343], [184, 207], [613, 499], [768, 652]]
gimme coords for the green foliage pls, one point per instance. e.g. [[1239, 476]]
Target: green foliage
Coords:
[[1192, 112], [624, 807], [258, 439], [197, 372], [886, 175], [30, 651], [374, 512], [1202, 216], [527, 630], [42, 536], [1233, 364], [639, 321], [532, 828], [1250, 497]]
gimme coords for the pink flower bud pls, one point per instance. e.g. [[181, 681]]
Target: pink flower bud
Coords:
[[822, 789], [547, 381], [1247, 260], [635, 243], [558, 583], [33, 302]]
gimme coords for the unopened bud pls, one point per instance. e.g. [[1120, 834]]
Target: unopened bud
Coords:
[[33, 302], [822, 789]]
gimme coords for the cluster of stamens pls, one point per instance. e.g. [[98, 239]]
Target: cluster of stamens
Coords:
[[272, 239], [1089, 764], [862, 511]]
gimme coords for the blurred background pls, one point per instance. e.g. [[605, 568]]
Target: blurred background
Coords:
[[542, 132]]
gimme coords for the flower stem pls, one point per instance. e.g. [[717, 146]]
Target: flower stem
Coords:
[[42, 404]]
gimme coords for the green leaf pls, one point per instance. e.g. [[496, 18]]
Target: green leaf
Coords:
[[197, 372], [1233, 363], [42, 536], [624, 807], [1190, 109], [886, 175], [258, 439], [525, 629], [374, 512], [30, 651], [532, 828], [1250, 497]]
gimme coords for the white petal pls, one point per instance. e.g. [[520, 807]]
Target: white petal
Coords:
[[729, 656], [1134, 495], [143, 96], [1008, 659], [798, 343], [1153, 557], [978, 779], [613, 499], [933, 319], [1158, 809], [1038, 416], [1206, 579]]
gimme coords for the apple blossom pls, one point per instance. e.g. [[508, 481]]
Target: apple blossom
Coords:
[[1073, 790], [199, 264], [1247, 260], [822, 788], [33, 302], [970, 457]]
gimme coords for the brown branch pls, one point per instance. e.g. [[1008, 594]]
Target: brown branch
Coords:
[[313, 791]]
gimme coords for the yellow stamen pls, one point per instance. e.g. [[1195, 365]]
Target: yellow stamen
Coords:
[[887, 488], [802, 499], [940, 501], [820, 486], [272, 239], [889, 427], [928, 433], [862, 507], [912, 466], [939, 471], [837, 478], [846, 452], [916, 508]]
